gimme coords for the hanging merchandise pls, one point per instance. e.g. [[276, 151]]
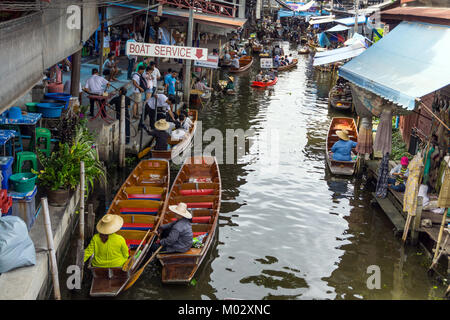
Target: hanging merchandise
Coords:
[[365, 136], [412, 185], [426, 170], [383, 138], [383, 175], [444, 194], [441, 172]]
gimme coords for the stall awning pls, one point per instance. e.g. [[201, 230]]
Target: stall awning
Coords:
[[284, 5], [408, 63], [338, 28], [320, 21], [351, 21], [331, 56]]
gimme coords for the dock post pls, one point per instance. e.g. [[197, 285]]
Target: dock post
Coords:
[[187, 74], [416, 223], [90, 221], [122, 133], [51, 246]]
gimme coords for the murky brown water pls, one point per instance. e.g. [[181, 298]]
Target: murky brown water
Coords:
[[292, 231]]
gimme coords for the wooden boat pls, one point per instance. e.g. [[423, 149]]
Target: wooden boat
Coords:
[[140, 202], [257, 48], [198, 98], [346, 168], [245, 62], [197, 184], [264, 55], [178, 146], [289, 66], [304, 50], [340, 97], [264, 84]]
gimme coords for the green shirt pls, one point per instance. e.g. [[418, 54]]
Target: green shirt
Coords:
[[110, 254], [141, 64]]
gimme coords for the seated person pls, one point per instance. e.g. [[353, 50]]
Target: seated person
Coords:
[[230, 84], [290, 58], [185, 125], [235, 62], [176, 236], [187, 119], [283, 62], [160, 133], [276, 61], [400, 173], [109, 249], [342, 149], [227, 58], [260, 76], [199, 85]]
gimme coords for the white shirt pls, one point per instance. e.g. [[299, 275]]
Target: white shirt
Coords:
[[161, 102], [131, 56], [67, 85], [149, 80], [136, 78], [96, 84], [290, 59], [156, 74]]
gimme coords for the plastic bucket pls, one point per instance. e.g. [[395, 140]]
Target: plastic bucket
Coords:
[[59, 97], [15, 113], [50, 110], [31, 106], [23, 182]]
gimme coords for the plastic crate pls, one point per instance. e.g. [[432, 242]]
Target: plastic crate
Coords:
[[23, 206], [6, 168]]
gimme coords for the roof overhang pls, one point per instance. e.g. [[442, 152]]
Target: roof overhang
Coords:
[[420, 14]]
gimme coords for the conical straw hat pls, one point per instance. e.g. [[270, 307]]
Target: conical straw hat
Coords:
[[109, 224]]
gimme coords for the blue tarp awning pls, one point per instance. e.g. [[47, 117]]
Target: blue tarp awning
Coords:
[[350, 21], [331, 56], [338, 28], [409, 62]]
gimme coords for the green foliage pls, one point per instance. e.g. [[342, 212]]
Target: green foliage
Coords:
[[62, 168], [398, 146]]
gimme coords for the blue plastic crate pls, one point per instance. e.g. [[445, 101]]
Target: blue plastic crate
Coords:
[[6, 168]]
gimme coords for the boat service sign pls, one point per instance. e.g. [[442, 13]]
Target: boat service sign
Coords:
[[166, 51], [266, 63]]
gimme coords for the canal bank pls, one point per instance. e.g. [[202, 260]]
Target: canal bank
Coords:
[[297, 232]]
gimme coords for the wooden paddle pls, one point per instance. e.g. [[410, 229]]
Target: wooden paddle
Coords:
[[138, 273], [127, 265]]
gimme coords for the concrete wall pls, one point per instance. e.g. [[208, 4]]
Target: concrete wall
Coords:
[[31, 44]]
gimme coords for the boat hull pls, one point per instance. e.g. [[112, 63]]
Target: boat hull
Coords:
[[259, 84]]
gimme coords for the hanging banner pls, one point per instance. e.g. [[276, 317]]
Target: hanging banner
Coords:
[[212, 62], [166, 51], [266, 63]]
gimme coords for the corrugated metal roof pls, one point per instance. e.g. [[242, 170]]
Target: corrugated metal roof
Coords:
[[424, 14], [331, 56], [408, 63], [350, 21]]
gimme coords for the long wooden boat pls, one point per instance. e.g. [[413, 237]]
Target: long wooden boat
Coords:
[[339, 98], [197, 184], [245, 63], [178, 146], [140, 201], [289, 66], [346, 168], [199, 98], [263, 84]]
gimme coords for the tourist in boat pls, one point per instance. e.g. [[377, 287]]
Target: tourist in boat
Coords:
[[160, 134], [109, 249], [399, 173], [260, 76], [235, 62], [226, 58], [283, 62], [276, 61], [175, 236], [199, 85], [290, 59], [342, 149]]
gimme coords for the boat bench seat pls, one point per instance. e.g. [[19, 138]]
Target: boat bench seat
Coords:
[[151, 211], [204, 219], [195, 192], [208, 205], [137, 226], [156, 197], [133, 243]]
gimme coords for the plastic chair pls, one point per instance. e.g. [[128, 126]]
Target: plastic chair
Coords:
[[23, 156], [45, 134]]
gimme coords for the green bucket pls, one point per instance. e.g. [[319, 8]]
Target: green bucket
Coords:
[[23, 182], [31, 106]]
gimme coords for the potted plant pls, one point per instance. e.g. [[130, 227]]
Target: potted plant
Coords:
[[61, 171]]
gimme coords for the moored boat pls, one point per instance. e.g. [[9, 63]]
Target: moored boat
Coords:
[[178, 146], [346, 168], [304, 50], [197, 184], [245, 62], [340, 97], [289, 66], [140, 202], [263, 84]]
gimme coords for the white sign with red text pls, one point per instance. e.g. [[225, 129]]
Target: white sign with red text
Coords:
[[166, 51], [212, 62]]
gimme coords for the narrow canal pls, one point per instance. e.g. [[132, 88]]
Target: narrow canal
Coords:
[[291, 230]]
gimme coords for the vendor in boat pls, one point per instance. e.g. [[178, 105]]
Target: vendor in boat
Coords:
[[227, 58], [175, 236], [235, 62], [260, 76], [230, 84], [109, 249], [399, 173], [161, 134], [199, 85], [342, 149]]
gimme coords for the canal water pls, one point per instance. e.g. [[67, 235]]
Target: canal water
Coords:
[[287, 228]]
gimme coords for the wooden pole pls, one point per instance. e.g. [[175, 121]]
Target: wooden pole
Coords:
[[441, 232], [416, 223], [53, 264], [102, 39], [122, 133], [75, 75], [82, 191], [187, 74], [90, 221]]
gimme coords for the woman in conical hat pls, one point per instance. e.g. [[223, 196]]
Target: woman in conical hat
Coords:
[[342, 149], [176, 236], [109, 249]]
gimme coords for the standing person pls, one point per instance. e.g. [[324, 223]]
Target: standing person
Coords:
[[109, 248], [95, 85], [140, 85], [117, 103], [163, 102], [131, 59], [171, 82], [145, 63], [169, 74], [175, 236], [106, 40], [156, 76]]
